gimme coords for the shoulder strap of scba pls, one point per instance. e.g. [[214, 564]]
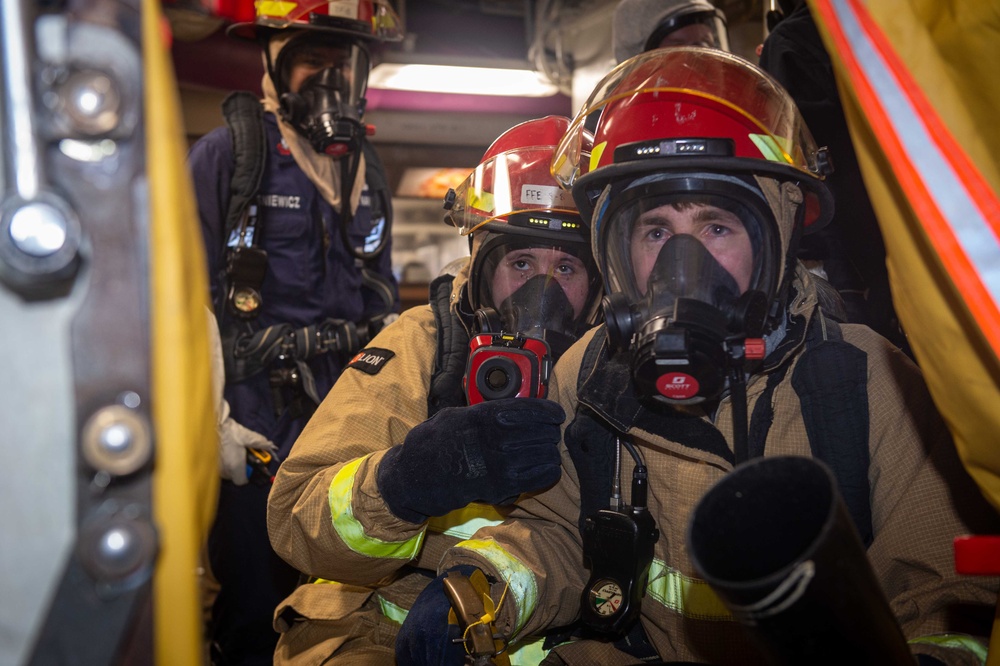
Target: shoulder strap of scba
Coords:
[[831, 381], [452, 350], [245, 118]]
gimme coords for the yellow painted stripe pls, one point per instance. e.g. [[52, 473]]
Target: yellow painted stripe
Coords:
[[595, 155]]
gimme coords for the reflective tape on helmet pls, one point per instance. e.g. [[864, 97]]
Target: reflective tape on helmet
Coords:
[[956, 642], [521, 581], [770, 147], [691, 597], [351, 532], [463, 523], [274, 7]]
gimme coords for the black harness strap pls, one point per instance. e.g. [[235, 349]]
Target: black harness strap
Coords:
[[252, 352], [831, 381], [452, 350], [245, 117], [591, 443]]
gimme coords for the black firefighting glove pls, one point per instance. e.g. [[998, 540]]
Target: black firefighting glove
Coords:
[[490, 452], [426, 637]]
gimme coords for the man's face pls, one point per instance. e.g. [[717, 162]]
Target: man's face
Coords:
[[696, 34], [720, 231], [519, 266], [310, 59]]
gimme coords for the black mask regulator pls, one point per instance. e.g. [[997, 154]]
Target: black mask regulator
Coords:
[[322, 112], [319, 112], [693, 331]]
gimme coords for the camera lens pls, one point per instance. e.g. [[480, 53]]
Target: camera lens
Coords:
[[498, 377]]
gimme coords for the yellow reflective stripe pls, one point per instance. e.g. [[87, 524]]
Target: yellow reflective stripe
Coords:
[[463, 523], [770, 148], [274, 7], [391, 611], [528, 654], [955, 641], [523, 587], [691, 597], [595, 154], [350, 530], [481, 200]]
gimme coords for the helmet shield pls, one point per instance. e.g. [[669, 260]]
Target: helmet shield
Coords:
[[514, 181], [704, 28], [368, 20], [340, 68], [643, 25], [684, 107]]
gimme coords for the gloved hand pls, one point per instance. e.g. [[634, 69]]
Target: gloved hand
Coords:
[[234, 440], [490, 452], [425, 639]]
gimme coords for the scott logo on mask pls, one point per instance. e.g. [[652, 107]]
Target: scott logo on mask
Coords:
[[677, 386]]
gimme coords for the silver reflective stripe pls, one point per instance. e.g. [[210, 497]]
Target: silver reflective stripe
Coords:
[[521, 582], [351, 531], [691, 597], [972, 231]]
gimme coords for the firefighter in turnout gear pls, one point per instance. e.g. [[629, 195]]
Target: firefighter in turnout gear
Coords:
[[700, 177], [295, 214], [438, 425]]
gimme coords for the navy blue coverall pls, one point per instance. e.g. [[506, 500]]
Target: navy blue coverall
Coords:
[[310, 277]]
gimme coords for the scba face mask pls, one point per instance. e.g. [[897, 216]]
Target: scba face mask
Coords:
[[540, 309], [328, 105], [532, 302], [693, 276]]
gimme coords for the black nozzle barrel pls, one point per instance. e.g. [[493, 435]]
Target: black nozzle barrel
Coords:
[[774, 540]]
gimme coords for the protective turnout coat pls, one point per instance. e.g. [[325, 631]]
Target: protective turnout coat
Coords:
[[325, 514], [310, 275], [919, 499]]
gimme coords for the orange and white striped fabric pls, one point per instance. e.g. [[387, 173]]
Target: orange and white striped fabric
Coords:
[[921, 94]]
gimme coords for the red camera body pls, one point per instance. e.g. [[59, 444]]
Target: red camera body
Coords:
[[506, 366]]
